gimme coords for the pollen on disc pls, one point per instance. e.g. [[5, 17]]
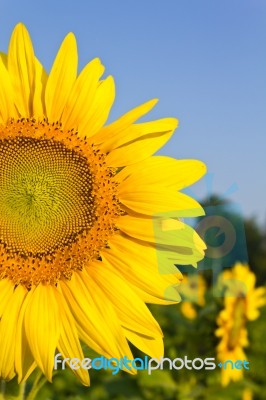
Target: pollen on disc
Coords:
[[46, 196]]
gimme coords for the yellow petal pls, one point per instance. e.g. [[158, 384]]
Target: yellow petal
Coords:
[[99, 110], [21, 68], [8, 326], [151, 200], [164, 230], [139, 266], [136, 131], [259, 297], [83, 320], [152, 346], [109, 134], [188, 310], [150, 286], [130, 309], [62, 78], [96, 321], [24, 360], [247, 394], [68, 344], [166, 234], [7, 105], [163, 171], [39, 91], [6, 293], [144, 254], [3, 57], [42, 326], [141, 141], [82, 95]]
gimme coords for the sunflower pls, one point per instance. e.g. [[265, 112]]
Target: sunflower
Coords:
[[247, 394], [192, 291], [241, 303], [85, 215]]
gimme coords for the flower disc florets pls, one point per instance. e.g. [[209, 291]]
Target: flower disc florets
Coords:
[[53, 192]]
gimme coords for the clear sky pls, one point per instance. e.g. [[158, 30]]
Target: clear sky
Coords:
[[204, 59]]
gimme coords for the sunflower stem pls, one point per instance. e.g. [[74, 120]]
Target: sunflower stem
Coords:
[[12, 390], [21, 393], [3, 389], [37, 385]]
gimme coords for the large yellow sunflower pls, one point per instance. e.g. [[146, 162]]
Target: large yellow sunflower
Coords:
[[85, 215], [241, 304]]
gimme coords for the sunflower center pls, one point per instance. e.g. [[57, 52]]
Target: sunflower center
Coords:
[[45, 192], [58, 203]]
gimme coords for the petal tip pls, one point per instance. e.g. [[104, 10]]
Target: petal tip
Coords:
[[70, 40], [20, 26]]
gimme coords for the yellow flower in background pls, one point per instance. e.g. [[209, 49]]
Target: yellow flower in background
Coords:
[[241, 304], [247, 394], [188, 310], [192, 290], [78, 214]]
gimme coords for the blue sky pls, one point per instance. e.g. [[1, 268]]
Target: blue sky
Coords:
[[204, 59]]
